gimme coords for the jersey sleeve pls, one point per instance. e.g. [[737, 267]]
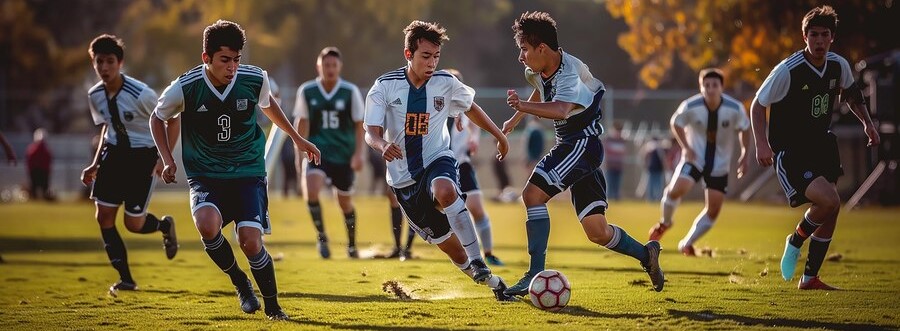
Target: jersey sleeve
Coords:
[[171, 102], [301, 110], [147, 101], [95, 113], [462, 98], [264, 92], [681, 117], [376, 106], [775, 87], [569, 89], [359, 106], [846, 73]]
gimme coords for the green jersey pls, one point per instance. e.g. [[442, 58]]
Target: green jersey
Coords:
[[219, 134], [332, 117]]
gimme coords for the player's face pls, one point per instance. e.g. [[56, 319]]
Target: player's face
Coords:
[[530, 56], [711, 88], [818, 40], [329, 68], [424, 61], [107, 67], [222, 65]]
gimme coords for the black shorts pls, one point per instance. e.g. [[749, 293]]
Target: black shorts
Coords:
[[244, 200], [417, 201], [125, 177], [468, 183], [797, 168], [689, 170], [574, 165], [340, 176]]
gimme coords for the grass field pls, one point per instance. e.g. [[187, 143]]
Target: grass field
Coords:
[[55, 274]]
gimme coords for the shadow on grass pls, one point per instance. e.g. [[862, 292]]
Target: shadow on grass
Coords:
[[325, 297], [301, 321], [581, 311], [707, 315]]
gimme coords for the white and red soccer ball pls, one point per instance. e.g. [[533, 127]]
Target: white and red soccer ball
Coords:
[[550, 290]]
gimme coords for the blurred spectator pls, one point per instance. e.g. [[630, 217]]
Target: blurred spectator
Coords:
[[655, 162], [38, 159], [614, 159]]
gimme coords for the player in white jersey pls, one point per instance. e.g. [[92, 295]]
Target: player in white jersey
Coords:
[[406, 119], [125, 166], [705, 126]]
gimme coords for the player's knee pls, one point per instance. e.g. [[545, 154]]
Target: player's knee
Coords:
[[601, 235], [251, 245], [533, 196], [445, 195], [134, 224], [713, 213]]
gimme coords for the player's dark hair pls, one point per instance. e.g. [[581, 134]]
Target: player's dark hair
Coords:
[[107, 44], [712, 73], [330, 51], [455, 73], [536, 28], [223, 33], [824, 16], [429, 31]]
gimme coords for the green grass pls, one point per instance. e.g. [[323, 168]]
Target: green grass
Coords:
[[56, 273]]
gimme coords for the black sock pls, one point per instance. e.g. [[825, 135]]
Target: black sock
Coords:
[[410, 235], [264, 272], [805, 228], [396, 224], [115, 250], [818, 247], [350, 221], [151, 224], [220, 252], [315, 210]]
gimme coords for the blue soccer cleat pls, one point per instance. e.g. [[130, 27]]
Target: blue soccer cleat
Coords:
[[789, 259], [521, 287], [493, 260], [322, 247]]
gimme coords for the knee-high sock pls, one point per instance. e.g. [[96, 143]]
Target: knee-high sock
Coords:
[[220, 252], [115, 250], [350, 221], [484, 233], [805, 228], [264, 272], [622, 243], [462, 226], [315, 210], [153, 224], [668, 207], [396, 225], [410, 236], [537, 226], [702, 224], [818, 247]]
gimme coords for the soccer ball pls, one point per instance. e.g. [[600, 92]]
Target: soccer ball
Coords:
[[550, 290]]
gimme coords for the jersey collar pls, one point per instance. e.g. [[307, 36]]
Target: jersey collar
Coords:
[[213, 88]]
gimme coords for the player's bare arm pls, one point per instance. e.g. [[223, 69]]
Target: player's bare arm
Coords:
[[356, 161], [276, 115], [686, 149], [389, 151], [161, 139], [556, 110], [511, 123], [855, 100], [758, 122], [743, 163], [173, 131], [89, 174], [477, 115]]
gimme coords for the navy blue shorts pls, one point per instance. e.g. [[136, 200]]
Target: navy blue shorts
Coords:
[[574, 165], [125, 177], [689, 170], [468, 183], [340, 176], [244, 201], [417, 201]]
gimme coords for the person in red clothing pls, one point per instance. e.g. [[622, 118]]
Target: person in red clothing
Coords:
[[38, 159]]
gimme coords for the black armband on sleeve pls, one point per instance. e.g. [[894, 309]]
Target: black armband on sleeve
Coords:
[[854, 95]]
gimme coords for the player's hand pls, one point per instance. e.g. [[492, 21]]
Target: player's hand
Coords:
[[742, 165], [168, 173], [356, 162], [89, 174], [874, 138], [688, 155], [512, 99], [158, 168], [764, 155], [502, 147], [310, 149], [391, 152], [459, 124], [508, 126]]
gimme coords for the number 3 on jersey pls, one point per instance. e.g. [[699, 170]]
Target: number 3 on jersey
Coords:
[[225, 124], [417, 124]]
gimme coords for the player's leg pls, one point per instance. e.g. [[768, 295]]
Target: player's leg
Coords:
[[137, 188], [396, 223], [262, 267], [315, 180], [468, 184], [446, 194], [678, 187], [703, 222], [114, 246], [342, 179], [824, 196]]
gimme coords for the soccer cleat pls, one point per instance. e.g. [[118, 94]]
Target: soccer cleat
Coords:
[[395, 254], [493, 260], [481, 271], [322, 247], [277, 314], [498, 292], [123, 285], [248, 300], [521, 287], [657, 231], [688, 250], [170, 240], [406, 254], [815, 284], [652, 267], [789, 259], [352, 252]]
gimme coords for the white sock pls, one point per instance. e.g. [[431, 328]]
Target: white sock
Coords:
[[493, 282], [668, 209], [702, 224], [484, 233], [462, 226]]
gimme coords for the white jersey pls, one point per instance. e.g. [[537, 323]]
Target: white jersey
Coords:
[[135, 102], [459, 140], [573, 83], [416, 119], [694, 116]]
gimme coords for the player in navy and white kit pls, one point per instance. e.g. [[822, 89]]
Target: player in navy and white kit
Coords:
[[124, 169], [801, 93], [705, 126], [406, 119], [565, 91]]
